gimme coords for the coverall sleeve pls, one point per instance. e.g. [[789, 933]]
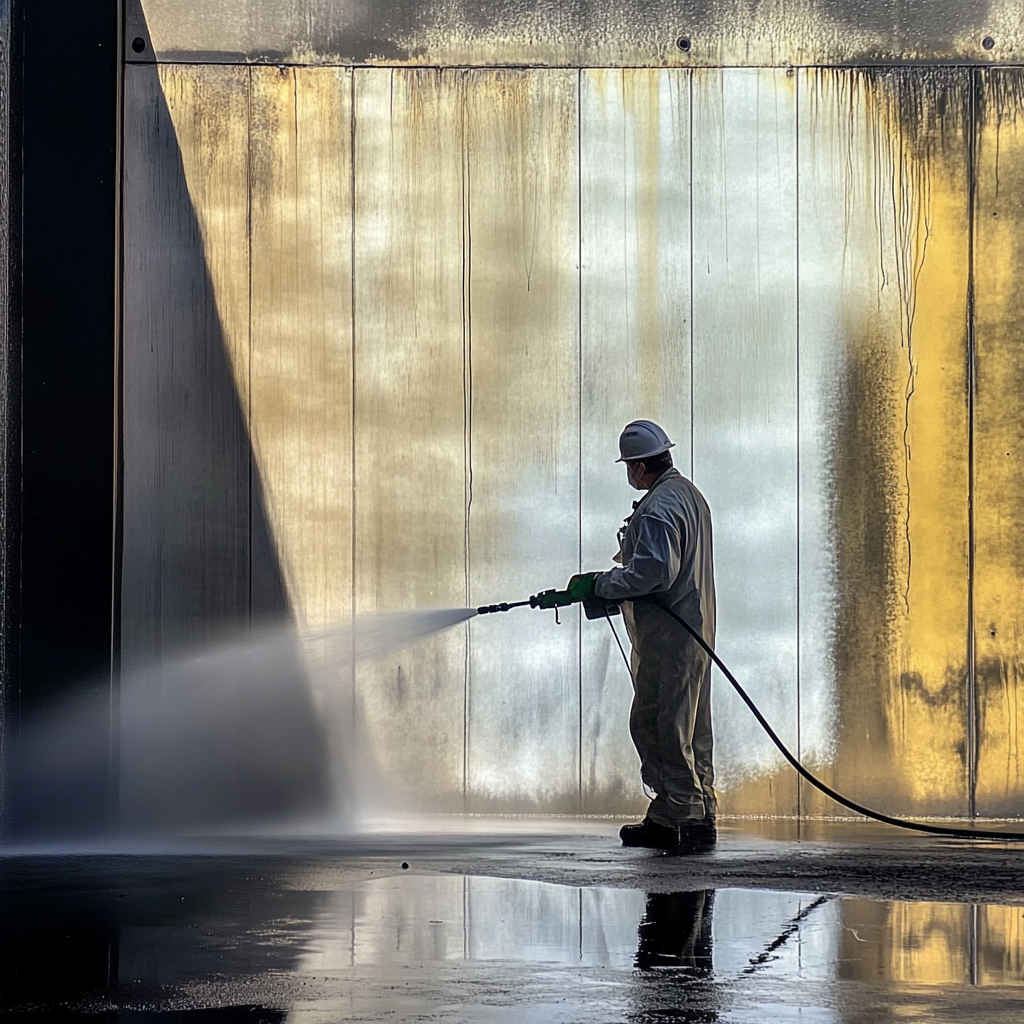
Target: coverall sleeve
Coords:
[[657, 556]]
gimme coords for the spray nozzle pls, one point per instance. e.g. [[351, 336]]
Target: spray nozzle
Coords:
[[487, 609]]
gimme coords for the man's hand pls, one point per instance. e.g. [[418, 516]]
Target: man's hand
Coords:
[[581, 586]]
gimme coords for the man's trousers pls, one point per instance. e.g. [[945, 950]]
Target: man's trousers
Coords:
[[670, 719]]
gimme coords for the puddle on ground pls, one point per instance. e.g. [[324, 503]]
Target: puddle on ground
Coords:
[[461, 948], [422, 919]]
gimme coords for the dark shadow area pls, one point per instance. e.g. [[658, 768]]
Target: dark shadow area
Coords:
[[63, 272], [96, 939], [212, 729]]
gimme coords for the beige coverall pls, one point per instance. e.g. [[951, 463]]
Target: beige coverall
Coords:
[[666, 555]]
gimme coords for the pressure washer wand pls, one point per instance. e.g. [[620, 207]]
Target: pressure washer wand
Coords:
[[486, 609], [552, 600], [545, 599]]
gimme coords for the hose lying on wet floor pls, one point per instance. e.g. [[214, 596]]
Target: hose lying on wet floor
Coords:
[[917, 826]]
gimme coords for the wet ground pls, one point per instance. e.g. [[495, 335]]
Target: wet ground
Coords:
[[524, 921]]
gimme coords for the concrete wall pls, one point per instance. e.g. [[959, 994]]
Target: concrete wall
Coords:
[[436, 295]]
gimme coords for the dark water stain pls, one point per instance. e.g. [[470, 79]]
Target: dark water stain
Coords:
[[951, 695], [866, 525], [928, 109], [999, 740], [850, 31], [1001, 97]]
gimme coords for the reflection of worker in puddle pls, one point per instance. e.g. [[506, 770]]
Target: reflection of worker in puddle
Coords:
[[675, 934], [666, 562]]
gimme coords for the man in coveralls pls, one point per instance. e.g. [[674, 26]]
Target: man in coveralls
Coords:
[[665, 558]]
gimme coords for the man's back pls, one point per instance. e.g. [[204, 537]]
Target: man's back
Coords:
[[676, 500], [667, 554]]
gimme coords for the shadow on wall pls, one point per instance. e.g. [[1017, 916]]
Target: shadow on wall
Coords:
[[224, 733], [199, 559]]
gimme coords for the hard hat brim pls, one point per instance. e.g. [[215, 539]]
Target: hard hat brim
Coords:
[[657, 451]]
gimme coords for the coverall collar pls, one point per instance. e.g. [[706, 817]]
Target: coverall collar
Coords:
[[669, 473]]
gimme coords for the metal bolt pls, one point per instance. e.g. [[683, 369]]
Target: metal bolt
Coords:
[[988, 42], [684, 44], [138, 44]]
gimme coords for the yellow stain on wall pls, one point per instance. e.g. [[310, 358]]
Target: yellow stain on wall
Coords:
[[410, 434], [898, 450], [999, 444], [635, 314], [927, 702]]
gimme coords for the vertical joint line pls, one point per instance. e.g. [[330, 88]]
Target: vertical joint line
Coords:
[[467, 436], [579, 911], [973, 129], [689, 74], [974, 973], [579, 421], [248, 353], [796, 225], [352, 343]]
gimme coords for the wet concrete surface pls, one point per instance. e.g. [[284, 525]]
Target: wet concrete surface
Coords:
[[514, 920]]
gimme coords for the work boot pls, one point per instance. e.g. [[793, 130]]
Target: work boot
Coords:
[[650, 834], [701, 833]]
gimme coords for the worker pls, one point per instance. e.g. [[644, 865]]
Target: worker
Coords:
[[665, 561]]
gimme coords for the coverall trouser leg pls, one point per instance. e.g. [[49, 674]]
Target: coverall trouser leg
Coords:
[[670, 719]]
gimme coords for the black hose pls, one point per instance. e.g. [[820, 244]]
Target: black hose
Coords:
[[917, 826]]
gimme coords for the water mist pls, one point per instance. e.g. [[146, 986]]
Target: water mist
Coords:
[[251, 731]]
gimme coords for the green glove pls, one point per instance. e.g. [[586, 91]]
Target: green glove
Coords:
[[581, 587]]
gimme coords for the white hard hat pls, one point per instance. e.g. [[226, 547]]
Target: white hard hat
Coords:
[[641, 439]]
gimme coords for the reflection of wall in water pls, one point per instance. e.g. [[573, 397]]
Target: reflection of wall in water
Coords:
[[773, 263], [931, 943]]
